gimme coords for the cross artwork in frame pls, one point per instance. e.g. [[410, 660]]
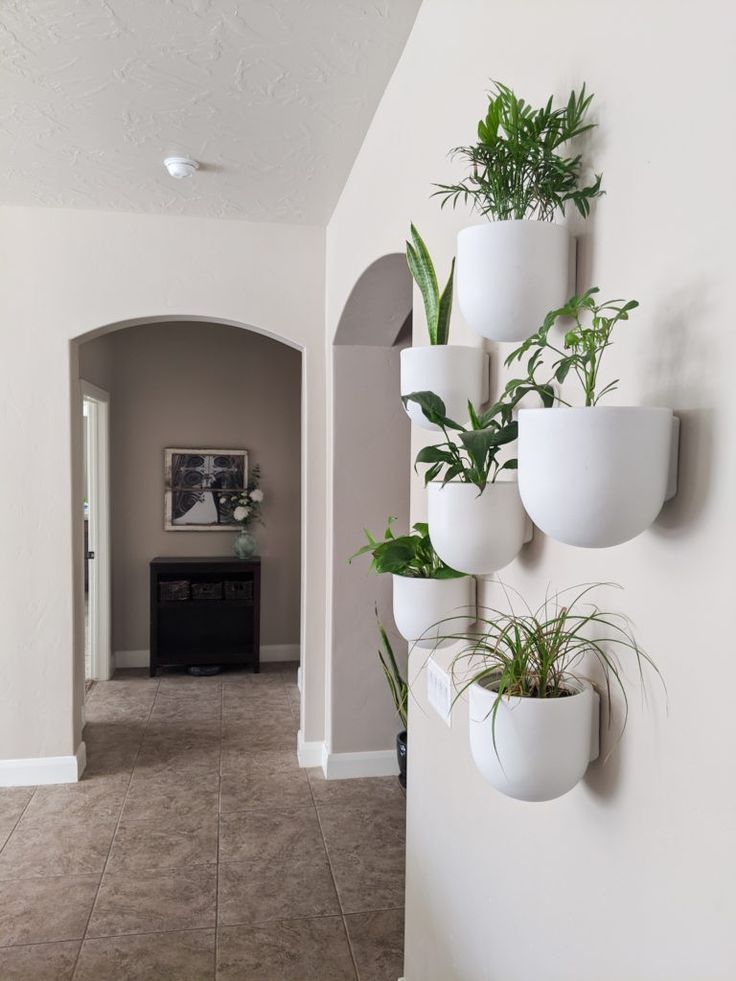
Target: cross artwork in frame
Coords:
[[200, 488]]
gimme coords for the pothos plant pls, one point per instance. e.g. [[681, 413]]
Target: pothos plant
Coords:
[[409, 555], [472, 455], [437, 306], [583, 347], [517, 167]]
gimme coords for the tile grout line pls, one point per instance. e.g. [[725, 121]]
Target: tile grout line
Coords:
[[334, 880], [20, 816], [117, 825]]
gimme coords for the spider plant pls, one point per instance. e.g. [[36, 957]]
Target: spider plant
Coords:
[[517, 169], [437, 307], [472, 455], [540, 653], [583, 346], [397, 684], [409, 555]]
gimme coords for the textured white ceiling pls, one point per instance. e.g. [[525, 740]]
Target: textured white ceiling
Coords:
[[273, 97]]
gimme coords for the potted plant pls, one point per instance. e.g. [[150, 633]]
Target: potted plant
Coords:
[[590, 475], [476, 520], [516, 266], [399, 689], [425, 589], [533, 713], [246, 511], [454, 371]]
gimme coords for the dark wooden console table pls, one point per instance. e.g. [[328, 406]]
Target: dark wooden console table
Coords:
[[205, 611]]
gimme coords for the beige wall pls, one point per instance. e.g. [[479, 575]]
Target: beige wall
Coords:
[[371, 441], [627, 877], [199, 385], [64, 275]]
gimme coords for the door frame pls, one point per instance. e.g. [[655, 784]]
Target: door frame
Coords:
[[98, 477]]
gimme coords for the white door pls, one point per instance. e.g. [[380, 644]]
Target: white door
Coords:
[[96, 413]]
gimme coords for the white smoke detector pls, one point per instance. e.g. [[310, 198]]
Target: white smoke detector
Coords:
[[179, 167]]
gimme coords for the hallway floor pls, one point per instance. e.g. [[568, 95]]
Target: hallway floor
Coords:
[[195, 848]]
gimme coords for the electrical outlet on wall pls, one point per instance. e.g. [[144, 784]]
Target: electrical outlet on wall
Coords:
[[439, 691]]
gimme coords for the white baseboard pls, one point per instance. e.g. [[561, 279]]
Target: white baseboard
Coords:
[[269, 652], [43, 769], [309, 754], [343, 766]]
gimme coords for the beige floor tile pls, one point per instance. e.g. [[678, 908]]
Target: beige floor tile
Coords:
[[297, 950], [248, 782], [180, 956], [381, 792], [43, 910], [59, 847], [86, 801], [186, 807], [179, 776], [149, 845], [39, 962], [161, 901], [377, 941], [269, 833], [366, 848], [259, 891], [13, 801]]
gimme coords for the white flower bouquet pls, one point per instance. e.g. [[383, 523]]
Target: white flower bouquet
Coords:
[[246, 506]]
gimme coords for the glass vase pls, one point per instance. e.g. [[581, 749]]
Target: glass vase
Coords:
[[244, 545]]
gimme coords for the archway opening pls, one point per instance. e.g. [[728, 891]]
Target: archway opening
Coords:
[[371, 452], [187, 383]]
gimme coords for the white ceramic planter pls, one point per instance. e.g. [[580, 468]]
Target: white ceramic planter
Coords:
[[595, 477], [420, 604], [477, 533], [455, 373], [510, 274], [542, 745]]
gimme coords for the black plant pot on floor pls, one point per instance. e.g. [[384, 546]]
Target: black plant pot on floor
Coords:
[[401, 756]]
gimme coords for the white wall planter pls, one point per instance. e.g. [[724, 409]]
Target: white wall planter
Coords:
[[596, 477], [543, 745], [419, 605], [453, 372], [510, 274], [477, 533]]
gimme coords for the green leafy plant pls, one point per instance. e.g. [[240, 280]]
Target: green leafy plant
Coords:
[[584, 346], [472, 455], [516, 167], [540, 653], [437, 307], [409, 555], [397, 684]]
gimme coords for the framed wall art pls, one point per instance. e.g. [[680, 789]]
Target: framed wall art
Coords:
[[200, 487]]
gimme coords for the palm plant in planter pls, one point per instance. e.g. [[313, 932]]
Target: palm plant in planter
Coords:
[[534, 715], [425, 589], [516, 267], [454, 371], [591, 476]]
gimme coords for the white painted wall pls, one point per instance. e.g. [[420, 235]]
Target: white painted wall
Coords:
[[65, 274], [629, 876]]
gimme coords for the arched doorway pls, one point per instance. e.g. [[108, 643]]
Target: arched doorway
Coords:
[[370, 482], [193, 381]]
